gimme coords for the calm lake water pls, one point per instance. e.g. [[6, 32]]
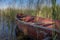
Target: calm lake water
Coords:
[[7, 31]]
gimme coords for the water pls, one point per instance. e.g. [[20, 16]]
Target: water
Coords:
[[6, 32]]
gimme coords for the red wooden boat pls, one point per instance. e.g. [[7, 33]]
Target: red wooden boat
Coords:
[[40, 29]]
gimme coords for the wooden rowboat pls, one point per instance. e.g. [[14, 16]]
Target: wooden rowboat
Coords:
[[42, 29]]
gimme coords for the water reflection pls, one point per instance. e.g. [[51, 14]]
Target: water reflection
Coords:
[[7, 29]]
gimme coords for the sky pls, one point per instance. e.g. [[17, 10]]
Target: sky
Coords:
[[58, 1], [17, 4]]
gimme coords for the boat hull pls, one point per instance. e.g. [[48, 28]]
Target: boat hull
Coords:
[[37, 32]]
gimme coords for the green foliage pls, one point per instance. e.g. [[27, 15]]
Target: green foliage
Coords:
[[54, 9], [55, 36], [47, 12]]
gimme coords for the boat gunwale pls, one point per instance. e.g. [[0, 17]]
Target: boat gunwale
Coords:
[[37, 26]]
